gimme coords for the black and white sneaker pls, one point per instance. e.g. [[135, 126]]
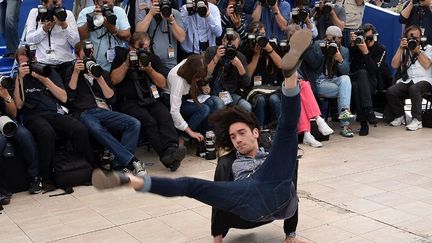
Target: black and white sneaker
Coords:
[[35, 185]]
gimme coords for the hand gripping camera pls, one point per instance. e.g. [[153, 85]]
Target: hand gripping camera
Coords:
[[299, 15], [89, 63], [47, 13], [34, 65], [95, 20], [140, 56], [329, 48], [197, 6]]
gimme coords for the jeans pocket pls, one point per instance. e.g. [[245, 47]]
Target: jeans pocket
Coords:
[[282, 192]]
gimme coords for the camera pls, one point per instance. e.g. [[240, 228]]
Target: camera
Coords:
[[329, 47], [299, 15], [47, 13], [270, 3], [140, 56], [197, 6], [108, 13], [360, 37], [35, 66], [328, 6], [412, 43], [89, 63], [258, 38], [238, 8], [283, 47], [210, 139], [230, 49], [165, 8], [5, 81], [7, 126]]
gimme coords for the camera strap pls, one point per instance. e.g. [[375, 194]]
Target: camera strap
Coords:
[[100, 102]]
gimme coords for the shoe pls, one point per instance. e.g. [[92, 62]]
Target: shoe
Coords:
[[299, 43], [414, 125], [397, 121], [35, 186], [4, 199], [5, 192], [364, 129], [372, 118], [347, 132], [323, 127], [106, 180], [346, 115], [139, 169], [173, 154], [311, 141], [174, 166]]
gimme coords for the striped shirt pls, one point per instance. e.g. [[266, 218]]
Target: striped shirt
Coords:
[[241, 30]]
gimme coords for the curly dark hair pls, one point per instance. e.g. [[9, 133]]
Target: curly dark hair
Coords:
[[221, 121]]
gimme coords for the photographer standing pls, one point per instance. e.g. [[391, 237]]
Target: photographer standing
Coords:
[[235, 18], [106, 26], [39, 98], [227, 66], [354, 10], [415, 77], [55, 32], [202, 23], [22, 136], [326, 14], [137, 75], [165, 27], [367, 58], [418, 12], [275, 15]]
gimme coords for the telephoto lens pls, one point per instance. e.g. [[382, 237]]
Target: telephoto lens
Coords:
[[210, 139], [94, 68], [165, 8], [143, 57], [412, 43], [5, 81], [7, 126], [201, 149], [261, 40]]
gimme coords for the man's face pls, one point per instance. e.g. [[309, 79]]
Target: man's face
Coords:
[[244, 139], [235, 42], [100, 3], [415, 33], [337, 39], [145, 44], [369, 36]]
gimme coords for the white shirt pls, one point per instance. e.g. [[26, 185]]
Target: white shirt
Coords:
[[177, 87], [416, 72], [354, 13], [62, 40]]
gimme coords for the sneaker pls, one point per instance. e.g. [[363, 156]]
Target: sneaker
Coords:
[[414, 125], [397, 121], [298, 44], [35, 186], [5, 192], [106, 180], [346, 115], [311, 141], [139, 169], [347, 132], [4, 199], [323, 127]]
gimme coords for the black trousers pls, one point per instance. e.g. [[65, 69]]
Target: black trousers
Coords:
[[156, 123], [399, 91], [363, 86], [46, 129]]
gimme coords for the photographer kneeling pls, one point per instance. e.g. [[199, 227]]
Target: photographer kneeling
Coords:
[[367, 58], [413, 62], [15, 131], [137, 75]]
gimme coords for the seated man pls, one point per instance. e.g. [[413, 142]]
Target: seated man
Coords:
[[366, 57], [138, 85], [227, 68], [326, 66], [415, 77], [91, 96], [24, 138], [264, 188], [39, 98]]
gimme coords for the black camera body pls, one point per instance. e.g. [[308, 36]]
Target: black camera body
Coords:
[[47, 13], [257, 38], [269, 3], [238, 8], [328, 6], [140, 56], [89, 62], [299, 15], [329, 48], [34, 65], [108, 13], [165, 8], [197, 6], [360, 37], [230, 49], [412, 43]]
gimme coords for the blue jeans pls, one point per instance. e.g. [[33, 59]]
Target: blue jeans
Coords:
[[195, 114], [214, 103], [258, 196], [99, 121], [263, 102], [238, 100], [28, 148], [337, 87], [9, 12]]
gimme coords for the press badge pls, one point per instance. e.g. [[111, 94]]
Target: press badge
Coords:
[[171, 53], [257, 80], [226, 97], [101, 103], [154, 91], [50, 55], [110, 55]]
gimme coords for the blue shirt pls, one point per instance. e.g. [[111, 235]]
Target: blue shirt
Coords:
[[200, 29], [108, 41], [269, 19]]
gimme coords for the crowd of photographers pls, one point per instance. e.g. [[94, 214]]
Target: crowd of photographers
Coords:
[[155, 70]]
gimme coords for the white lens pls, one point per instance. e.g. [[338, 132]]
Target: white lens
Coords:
[[98, 20]]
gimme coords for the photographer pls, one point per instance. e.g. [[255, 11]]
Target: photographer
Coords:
[[367, 58], [302, 16], [275, 15], [414, 78], [39, 98], [228, 68], [235, 18], [326, 14], [185, 81], [55, 32], [418, 12], [19, 134], [165, 27], [138, 83], [202, 23], [106, 26], [264, 64], [91, 96], [326, 66]]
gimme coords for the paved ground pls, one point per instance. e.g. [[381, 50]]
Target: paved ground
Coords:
[[365, 189]]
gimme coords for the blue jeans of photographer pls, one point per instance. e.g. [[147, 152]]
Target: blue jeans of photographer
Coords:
[[263, 103]]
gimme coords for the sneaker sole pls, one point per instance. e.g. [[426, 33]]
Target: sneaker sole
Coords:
[[101, 180], [299, 43]]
